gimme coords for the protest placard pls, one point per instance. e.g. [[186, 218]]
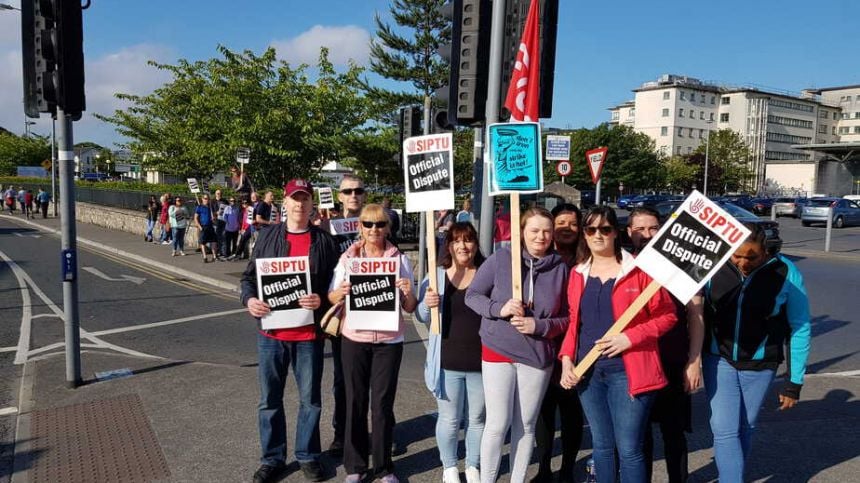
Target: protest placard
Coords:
[[557, 148], [326, 198], [514, 158], [344, 226], [373, 303], [688, 250], [193, 186], [281, 282], [428, 172]]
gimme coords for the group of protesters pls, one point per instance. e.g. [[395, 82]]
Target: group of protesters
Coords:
[[24, 199], [505, 364]]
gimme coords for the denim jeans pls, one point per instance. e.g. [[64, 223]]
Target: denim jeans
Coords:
[[735, 398], [150, 224], [274, 358], [166, 233], [178, 235], [617, 420], [463, 391]]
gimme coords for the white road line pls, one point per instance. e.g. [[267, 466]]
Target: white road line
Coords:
[[836, 374], [9, 410], [167, 322], [39, 316], [8, 349], [26, 312]]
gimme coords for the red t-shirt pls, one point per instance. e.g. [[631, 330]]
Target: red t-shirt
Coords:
[[487, 355], [300, 246]]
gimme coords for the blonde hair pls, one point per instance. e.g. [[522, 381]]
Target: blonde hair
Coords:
[[374, 212]]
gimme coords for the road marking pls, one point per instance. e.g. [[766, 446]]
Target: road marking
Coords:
[[168, 322], [22, 235], [836, 374], [8, 411], [26, 312], [122, 278]]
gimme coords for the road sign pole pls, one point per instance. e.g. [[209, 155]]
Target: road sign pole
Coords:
[[597, 192]]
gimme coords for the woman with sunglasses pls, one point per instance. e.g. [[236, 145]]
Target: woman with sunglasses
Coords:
[[452, 370], [617, 392], [371, 358], [179, 216], [517, 340]]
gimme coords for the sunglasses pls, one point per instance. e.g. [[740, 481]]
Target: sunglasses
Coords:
[[350, 191], [371, 224], [604, 230]]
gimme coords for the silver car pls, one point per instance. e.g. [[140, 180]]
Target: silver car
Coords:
[[845, 212], [789, 206]]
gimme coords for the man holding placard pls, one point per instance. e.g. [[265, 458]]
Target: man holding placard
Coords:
[[286, 256]]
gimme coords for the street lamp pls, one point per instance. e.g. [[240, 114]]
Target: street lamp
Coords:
[[707, 148]]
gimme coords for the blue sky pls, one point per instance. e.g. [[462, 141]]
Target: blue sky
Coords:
[[605, 49]]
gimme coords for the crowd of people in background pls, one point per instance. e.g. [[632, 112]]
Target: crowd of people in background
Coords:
[[25, 201]]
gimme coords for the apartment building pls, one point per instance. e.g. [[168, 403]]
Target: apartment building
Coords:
[[679, 112]]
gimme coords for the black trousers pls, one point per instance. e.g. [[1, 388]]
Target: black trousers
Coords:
[[672, 411], [338, 420], [230, 240], [244, 240], [570, 410], [370, 374], [44, 206]]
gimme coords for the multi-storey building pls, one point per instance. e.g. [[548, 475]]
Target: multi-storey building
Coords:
[[779, 127]]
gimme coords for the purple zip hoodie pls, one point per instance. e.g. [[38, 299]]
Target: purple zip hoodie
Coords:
[[491, 289]]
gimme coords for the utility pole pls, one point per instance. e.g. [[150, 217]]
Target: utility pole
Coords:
[[422, 231]]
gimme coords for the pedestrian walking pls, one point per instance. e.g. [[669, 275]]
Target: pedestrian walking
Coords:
[[43, 198], [179, 216], [452, 370], [232, 223], [248, 230], [153, 212], [517, 340], [166, 236], [204, 220], [28, 202], [300, 347], [218, 205], [9, 198]]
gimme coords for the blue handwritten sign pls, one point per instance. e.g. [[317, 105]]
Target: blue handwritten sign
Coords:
[[514, 155]]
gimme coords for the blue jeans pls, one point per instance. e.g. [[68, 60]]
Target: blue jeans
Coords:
[[178, 235], [735, 398], [150, 224], [463, 390], [274, 358], [616, 419]]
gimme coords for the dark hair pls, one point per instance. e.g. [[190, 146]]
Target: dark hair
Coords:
[[643, 211], [757, 235], [463, 230], [569, 208], [606, 213]]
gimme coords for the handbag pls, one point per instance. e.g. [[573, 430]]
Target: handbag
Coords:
[[331, 321]]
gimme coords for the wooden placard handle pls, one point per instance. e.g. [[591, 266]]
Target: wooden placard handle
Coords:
[[431, 269], [516, 250], [618, 326]]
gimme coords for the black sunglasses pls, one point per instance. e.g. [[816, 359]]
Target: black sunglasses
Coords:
[[604, 230], [371, 224], [349, 191]]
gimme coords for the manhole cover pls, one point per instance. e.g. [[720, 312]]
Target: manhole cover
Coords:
[[106, 440]]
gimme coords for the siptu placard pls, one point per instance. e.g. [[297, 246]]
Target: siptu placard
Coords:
[[372, 303], [428, 172], [326, 198], [344, 226], [281, 282], [514, 157], [696, 241]]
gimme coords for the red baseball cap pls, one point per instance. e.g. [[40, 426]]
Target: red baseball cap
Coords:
[[296, 185]]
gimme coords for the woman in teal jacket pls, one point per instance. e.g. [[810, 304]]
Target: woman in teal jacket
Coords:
[[452, 370]]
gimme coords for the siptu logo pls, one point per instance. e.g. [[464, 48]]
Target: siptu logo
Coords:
[[697, 205], [264, 268], [355, 267], [410, 146]]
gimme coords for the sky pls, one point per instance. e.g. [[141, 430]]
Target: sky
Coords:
[[604, 49]]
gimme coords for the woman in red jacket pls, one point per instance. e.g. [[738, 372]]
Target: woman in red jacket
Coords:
[[617, 392]]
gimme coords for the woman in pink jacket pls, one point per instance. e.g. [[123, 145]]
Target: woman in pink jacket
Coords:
[[617, 392], [371, 358]]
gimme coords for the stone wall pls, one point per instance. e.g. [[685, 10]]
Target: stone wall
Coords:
[[129, 221]]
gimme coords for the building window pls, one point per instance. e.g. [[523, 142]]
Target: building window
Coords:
[[681, 112], [833, 130], [664, 131], [678, 150], [666, 95], [713, 99], [692, 114], [834, 116], [785, 156], [845, 115], [691, 132], [712, 116], [822, 129], [725, 100], [702, 115], [724, 117], [683, 96], [631, 112], [689, 149], [680, 132], [692, 97], [615, 115], [701, 134], [789, 121], [823, 115], [856, 129], [857, 115], [788, 138], [791, 105], [844, 130], [666, 112]]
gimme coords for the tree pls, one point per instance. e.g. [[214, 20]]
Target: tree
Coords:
[[17, 151], [728, 162], [193, 125], [631, 159], [680, 172], [408, 54]]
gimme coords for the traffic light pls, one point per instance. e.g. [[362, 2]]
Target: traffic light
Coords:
[[410, 125], [468, 56], [53, 58], [516, 12]]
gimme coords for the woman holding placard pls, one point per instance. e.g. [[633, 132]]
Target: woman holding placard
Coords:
[[617, 392], [371, 358], [452, 370], [755, 307], [517, 351]]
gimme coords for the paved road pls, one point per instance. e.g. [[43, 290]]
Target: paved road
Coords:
[[797, 237], [200, 392]]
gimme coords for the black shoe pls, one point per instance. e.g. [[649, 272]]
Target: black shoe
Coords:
[[268, 473], [313, 471], [336, 448]]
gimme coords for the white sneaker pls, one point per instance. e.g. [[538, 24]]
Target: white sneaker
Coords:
[[451, 475], [473, 475]]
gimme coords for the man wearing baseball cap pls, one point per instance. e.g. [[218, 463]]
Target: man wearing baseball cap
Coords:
[[301, 346]]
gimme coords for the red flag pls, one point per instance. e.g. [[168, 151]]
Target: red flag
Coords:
[[523, 91]]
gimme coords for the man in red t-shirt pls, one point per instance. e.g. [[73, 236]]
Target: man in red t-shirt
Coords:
[[301, 347]]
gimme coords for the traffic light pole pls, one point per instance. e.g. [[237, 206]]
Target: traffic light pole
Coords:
[[422, 232], [497, 40], [66, 159]]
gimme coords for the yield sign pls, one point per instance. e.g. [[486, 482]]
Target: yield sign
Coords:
[[595, 159]]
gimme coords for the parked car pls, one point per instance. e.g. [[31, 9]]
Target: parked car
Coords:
[[648, 200], [845, 212], [624, 201], [789, 206], [771, 228], [761, 206], [744, 201], [666, 208]]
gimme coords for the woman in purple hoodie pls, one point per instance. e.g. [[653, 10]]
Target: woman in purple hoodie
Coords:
[[516, 336]]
